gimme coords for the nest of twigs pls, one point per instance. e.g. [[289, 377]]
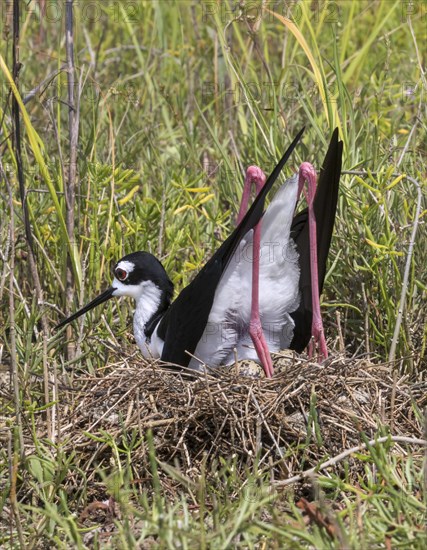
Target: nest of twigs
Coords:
[[306, 413]]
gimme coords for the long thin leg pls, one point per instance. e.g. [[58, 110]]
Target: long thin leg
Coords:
[[256, 175], [308, 173]]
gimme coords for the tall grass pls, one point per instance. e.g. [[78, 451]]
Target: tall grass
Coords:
[[169, 121], [177, 99]]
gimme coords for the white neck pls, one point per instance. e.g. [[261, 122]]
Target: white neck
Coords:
[[147, 305]]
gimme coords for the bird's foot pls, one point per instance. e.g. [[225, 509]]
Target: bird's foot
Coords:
[[318, 338], [261, 347], [255, 176]]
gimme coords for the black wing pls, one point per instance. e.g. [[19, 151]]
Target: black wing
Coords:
[[325, 206], [185, 321]]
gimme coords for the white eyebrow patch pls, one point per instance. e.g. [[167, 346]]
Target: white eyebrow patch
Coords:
[[126, 266]]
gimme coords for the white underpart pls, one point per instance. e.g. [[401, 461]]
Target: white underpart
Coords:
[[147, 296], [228, 323]]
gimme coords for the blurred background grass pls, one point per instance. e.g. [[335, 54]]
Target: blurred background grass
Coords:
[[176, 99]]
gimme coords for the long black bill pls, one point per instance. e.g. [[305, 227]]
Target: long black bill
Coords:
[[106, 295]]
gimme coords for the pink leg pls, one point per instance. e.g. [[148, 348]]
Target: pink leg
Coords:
[[308, 173], [256, 175]]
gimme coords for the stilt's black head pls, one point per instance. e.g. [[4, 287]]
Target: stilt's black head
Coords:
[[136, 268], [131, 275]]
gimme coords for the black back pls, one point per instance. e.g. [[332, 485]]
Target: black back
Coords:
[[325, 206], [184, 322]]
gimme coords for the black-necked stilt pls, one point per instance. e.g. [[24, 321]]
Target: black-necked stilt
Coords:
[[277, 260]]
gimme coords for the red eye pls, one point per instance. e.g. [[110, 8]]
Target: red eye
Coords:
[[121, 274]]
